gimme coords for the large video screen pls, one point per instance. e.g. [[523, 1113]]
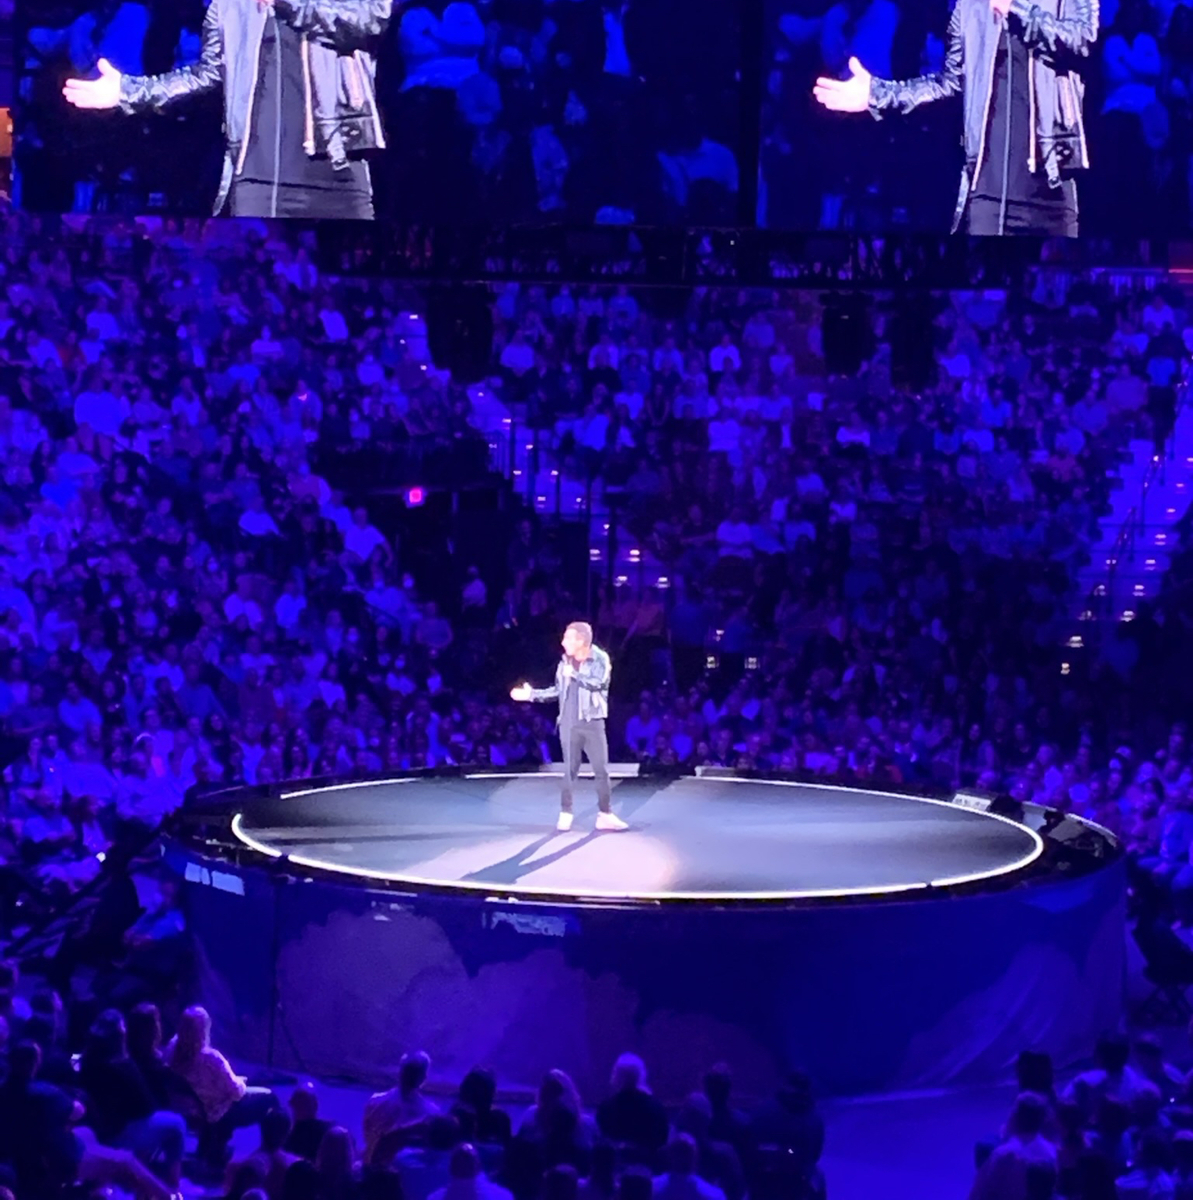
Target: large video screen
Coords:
[[1039, 117], [488, 112]]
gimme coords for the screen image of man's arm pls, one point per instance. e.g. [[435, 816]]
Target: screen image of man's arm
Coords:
[[342, 24], [902, 95], [1057, 36], [145, 93]]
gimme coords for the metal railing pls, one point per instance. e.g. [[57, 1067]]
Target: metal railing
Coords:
[[1102, 598]]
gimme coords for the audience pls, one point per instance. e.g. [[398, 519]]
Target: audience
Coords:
[[863, 573]]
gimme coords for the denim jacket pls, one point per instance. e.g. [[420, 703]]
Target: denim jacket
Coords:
[[339, 71], [594, 675], [1059, 35]]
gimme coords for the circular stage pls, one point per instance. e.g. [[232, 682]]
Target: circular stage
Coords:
[[879, 941], [691, 838]]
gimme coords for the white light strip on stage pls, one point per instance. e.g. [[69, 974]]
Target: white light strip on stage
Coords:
[[343, 787], [251, 842], [585, 773]]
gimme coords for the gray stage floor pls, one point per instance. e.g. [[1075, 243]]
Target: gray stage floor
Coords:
[[690, 837]]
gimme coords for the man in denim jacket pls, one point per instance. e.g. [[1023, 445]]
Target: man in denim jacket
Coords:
[[582, 688]]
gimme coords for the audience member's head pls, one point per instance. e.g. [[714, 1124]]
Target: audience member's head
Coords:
[[629, 1074], [1028, 1116], [443, 1133], [635, 1184], [478, 1090], [1112, 1052], [682, 1155], [144, 1032], [1034, 1072], [337, 1154], [560, 1182], [276, 1126], [193, 1036], [413, 1071], [465, 1162], [245, 1176], [718, 1086], [302, 1181], [304, 1101], [106, 1038]]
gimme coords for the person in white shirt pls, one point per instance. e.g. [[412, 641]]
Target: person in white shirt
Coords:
[[518, 355], [289, 607], [362, 538], [735, 536], [102, 323], [725, 356], [604, 354], [102, 411], [1158, 314], [1004, 1175], [257, 522], [1112, 1076], [724, 432], [241, 604], [855, 433], [334, 325]]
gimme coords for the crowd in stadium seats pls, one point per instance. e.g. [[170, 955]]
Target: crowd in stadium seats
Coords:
[[876, 561], [881, 568], [136, 1111]]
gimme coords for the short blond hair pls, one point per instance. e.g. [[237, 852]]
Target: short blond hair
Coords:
[[582, 630]]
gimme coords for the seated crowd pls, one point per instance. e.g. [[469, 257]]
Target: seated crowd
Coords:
[[878, 567], [134, 1109]]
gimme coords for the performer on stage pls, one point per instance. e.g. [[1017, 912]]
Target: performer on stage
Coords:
[[1016, 64], [299, 102], [582, 688]]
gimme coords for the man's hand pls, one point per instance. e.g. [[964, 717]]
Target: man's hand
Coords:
[[521, 692], [264, 5], [1001, 8], [100, 93], [570, 672], [850, 95]]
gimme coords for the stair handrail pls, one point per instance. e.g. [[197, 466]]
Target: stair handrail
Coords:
[[1135, 520]]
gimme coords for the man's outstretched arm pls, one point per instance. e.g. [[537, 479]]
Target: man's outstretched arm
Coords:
[[544, 694], [903, 95], [145, 93], [1057, 36], [344, 24]]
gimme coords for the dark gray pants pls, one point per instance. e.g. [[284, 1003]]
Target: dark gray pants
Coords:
[[585, 738]]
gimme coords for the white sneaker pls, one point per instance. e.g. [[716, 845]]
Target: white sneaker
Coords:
[[610, 823], [564, 823]]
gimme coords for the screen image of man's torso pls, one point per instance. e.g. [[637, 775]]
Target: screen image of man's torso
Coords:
[[1005, 185], [277, 169]]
